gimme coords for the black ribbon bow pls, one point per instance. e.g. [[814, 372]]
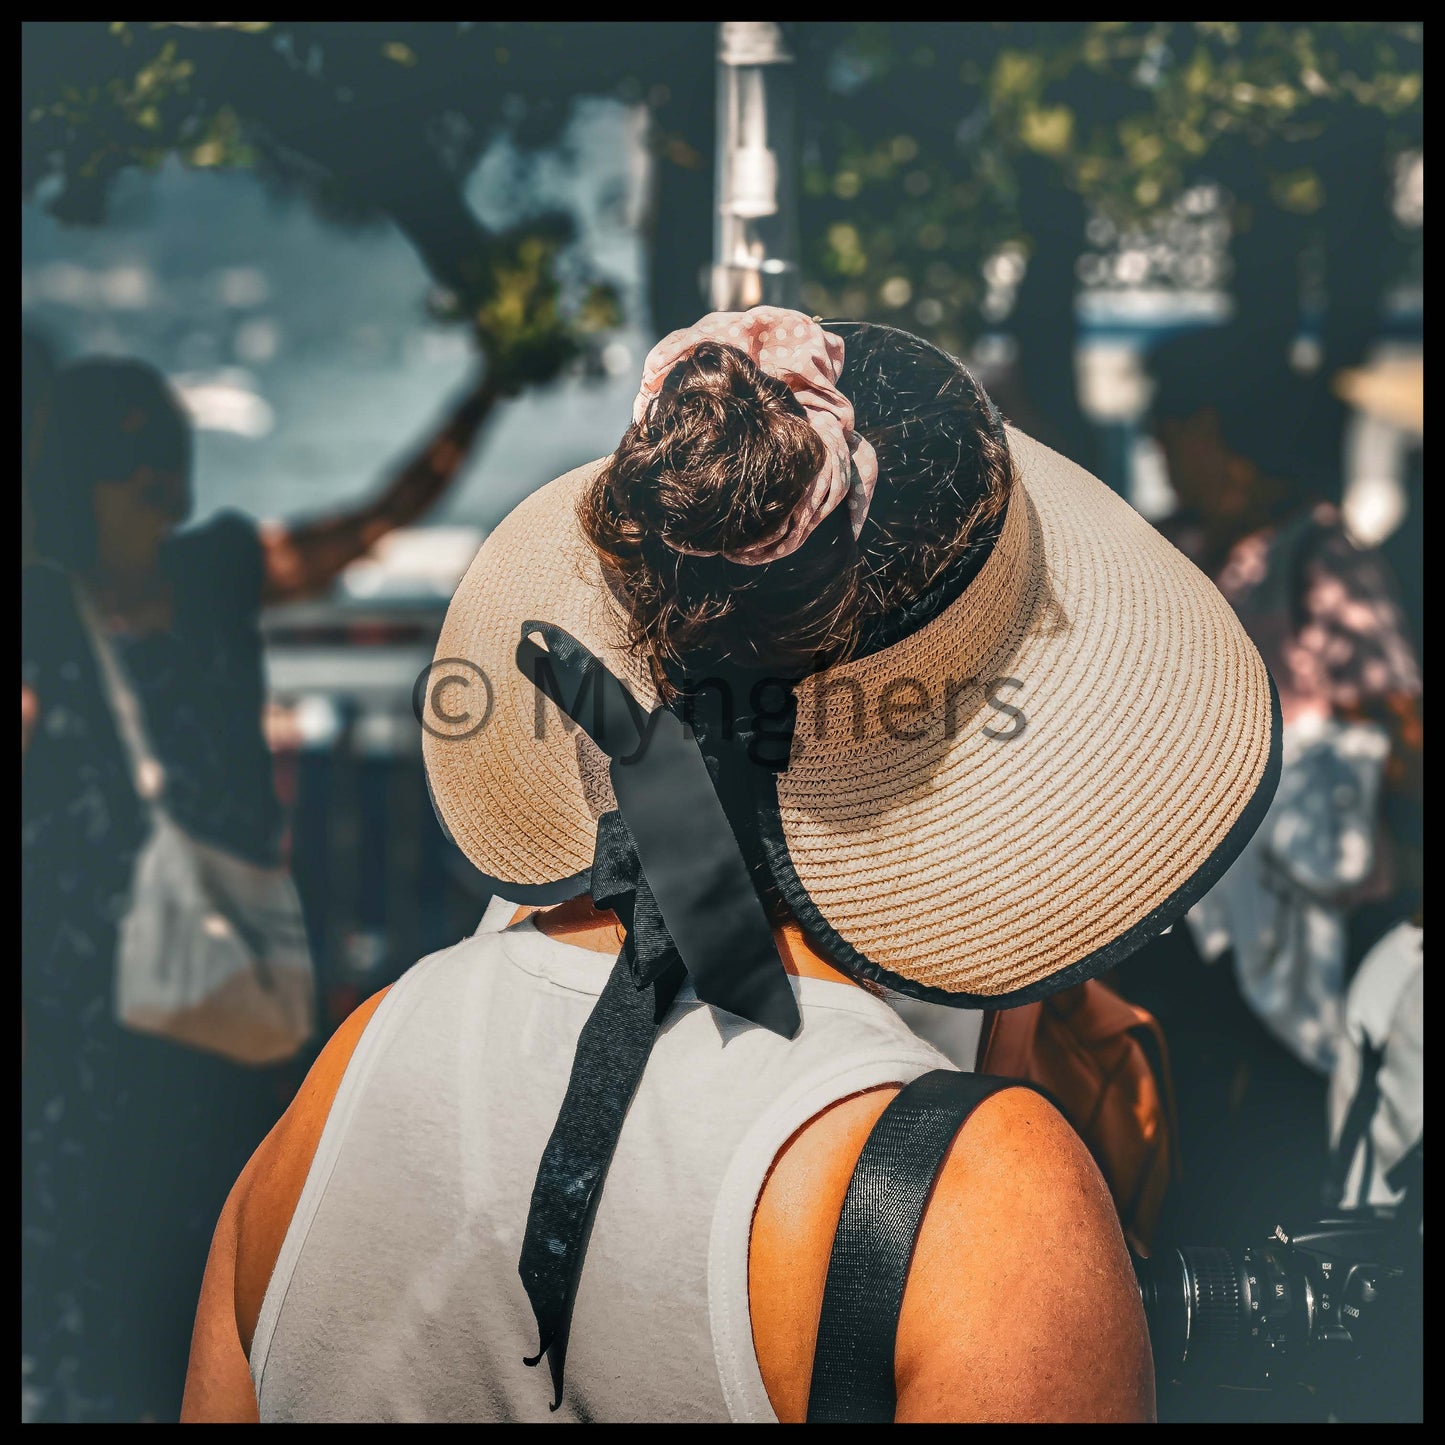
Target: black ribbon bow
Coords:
[[668, 864]]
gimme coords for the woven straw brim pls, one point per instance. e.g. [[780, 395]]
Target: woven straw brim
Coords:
[[1043, 775]]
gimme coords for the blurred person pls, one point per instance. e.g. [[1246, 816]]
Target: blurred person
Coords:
[[130, 1142], [1259, 510], [1377, 1091], [615, 1136], [1253, 1002], [1385, 504], [1377, 1148]]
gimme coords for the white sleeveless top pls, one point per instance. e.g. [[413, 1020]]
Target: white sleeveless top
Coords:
[[396, 1294]]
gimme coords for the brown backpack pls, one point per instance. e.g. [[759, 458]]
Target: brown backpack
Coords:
[[1103, 1062]]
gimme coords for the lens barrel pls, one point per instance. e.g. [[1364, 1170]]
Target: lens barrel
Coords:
[[1219, 1304], [1196, 1301], [1224, 1316]]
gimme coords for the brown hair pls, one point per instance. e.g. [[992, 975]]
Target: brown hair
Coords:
[[720, 459]]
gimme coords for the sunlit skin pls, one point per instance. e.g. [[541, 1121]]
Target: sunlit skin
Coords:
[[1020, 1304]]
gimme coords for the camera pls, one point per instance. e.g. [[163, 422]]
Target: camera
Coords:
[[1302, 1307]]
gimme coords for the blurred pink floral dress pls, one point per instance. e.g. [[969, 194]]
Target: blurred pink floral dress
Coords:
[[1322, 613]]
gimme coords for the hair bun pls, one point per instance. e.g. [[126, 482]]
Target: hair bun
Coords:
[[719, 459], [721, 456], [713, 369]]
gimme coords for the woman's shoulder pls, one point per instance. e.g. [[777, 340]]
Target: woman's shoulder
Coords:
[[266, 1195], [251, 1231], [1020, 1259]]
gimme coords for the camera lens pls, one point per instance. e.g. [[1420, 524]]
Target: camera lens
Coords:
[[1295, 1309], [1218, 1302], [1223, 1315], [1196, 1301]]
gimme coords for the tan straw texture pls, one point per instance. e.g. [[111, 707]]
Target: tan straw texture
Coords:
[[983, 864], [995, 798], [511, 792]]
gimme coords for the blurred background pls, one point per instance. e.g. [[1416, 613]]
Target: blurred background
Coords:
[[323, 233], [311, 228]]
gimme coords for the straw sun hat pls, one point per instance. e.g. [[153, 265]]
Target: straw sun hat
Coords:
[[1036, 780]]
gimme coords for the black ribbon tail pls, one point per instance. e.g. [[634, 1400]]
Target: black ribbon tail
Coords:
[[612, 1051], [668, 863]]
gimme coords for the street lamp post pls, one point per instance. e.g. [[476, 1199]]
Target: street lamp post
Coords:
[[755, 231]]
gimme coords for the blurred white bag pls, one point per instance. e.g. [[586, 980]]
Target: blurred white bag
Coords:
[[212, 951], [1283, 905]]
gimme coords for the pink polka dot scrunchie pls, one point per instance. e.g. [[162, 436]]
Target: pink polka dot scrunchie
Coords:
[[808, 360]]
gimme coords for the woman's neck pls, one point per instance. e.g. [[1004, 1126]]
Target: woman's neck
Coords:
[[577, 922]]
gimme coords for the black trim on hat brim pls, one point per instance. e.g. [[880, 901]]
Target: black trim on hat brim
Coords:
[[543, 895], [842, 954], [838, 951]]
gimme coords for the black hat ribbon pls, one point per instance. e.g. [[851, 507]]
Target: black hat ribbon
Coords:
[[668, 864]]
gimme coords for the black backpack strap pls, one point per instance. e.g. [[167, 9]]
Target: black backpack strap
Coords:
[[882, 1212]]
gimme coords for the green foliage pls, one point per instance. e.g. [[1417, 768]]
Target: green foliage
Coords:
[[516, 307], [127, 101], [929, 146], [1130, 110], [368, 119], [925, 138]]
